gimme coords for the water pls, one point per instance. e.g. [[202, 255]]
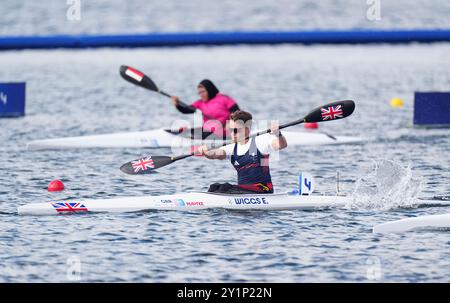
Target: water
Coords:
[[80, 92], [73, 93], [389, 186], [22, 17]]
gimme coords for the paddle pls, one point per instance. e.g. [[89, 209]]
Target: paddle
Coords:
[[138, 78], [328, 112], [329, 136]]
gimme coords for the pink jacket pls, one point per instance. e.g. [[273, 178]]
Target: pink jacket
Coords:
[[218, 108]]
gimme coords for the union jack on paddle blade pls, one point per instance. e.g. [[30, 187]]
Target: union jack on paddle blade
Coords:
[[142, 164], [331, 112]]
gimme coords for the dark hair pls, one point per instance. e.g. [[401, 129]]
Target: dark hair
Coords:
[[240, 115], [210, 88]]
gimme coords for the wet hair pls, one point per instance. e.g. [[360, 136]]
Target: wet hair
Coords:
[[210, 88]]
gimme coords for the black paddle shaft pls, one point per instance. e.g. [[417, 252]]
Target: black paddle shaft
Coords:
[[328, 112]]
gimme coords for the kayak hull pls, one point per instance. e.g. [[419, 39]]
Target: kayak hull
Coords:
[[183, 202], [194, 201], [162, 138]]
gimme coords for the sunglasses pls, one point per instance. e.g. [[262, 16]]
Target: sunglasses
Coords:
[[235, 130]]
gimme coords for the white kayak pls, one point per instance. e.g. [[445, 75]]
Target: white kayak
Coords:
[[190, 201], [165, 138], [431, 222], [184, 202]]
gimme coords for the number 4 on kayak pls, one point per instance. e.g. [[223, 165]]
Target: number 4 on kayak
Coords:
[[328, 112]]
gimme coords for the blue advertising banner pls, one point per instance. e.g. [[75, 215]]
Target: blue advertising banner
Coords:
[[432, 109], [12, 99]]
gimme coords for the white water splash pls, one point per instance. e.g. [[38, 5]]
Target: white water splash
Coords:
[[388, 186]]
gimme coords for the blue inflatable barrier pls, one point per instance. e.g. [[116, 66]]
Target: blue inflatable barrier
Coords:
[[432, 109], [12, 99], [225, 38]]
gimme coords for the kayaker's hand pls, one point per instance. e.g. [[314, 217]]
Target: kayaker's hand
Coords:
[[274, 129], [175, 100], [202, 150], [279, 142]]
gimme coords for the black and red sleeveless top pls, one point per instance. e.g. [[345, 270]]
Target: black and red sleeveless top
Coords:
[[252, 169]]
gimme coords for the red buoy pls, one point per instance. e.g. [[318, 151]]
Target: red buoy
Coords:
[[311, 125], [55, 185]]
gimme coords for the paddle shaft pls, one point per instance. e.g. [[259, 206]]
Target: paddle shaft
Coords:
[[296, 122], [286, 125], [320, 114], [182, 103], [179, 101], [328, 112], [185, 105]]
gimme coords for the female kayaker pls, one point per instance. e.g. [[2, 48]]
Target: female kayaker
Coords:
[[250, 157], [216, 107]]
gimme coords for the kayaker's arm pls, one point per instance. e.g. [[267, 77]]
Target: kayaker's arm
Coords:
[[181, 108], [186, 110], [215, 154], [280, 141]]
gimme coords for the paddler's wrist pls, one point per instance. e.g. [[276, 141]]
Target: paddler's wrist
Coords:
[[277, 134]]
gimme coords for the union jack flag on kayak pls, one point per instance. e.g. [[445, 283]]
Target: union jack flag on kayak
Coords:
[[142, 164], [331, 113], [69, 207]]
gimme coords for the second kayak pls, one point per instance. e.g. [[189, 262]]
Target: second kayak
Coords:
[[416, 223], [166, 138]]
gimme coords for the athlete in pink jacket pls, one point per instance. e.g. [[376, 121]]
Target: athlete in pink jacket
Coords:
[[216, 107]]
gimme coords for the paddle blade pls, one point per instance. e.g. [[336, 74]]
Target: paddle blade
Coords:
[[138, 78], [331, 111], [145, 165]]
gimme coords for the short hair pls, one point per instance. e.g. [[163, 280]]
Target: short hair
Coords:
[[240, 115]]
